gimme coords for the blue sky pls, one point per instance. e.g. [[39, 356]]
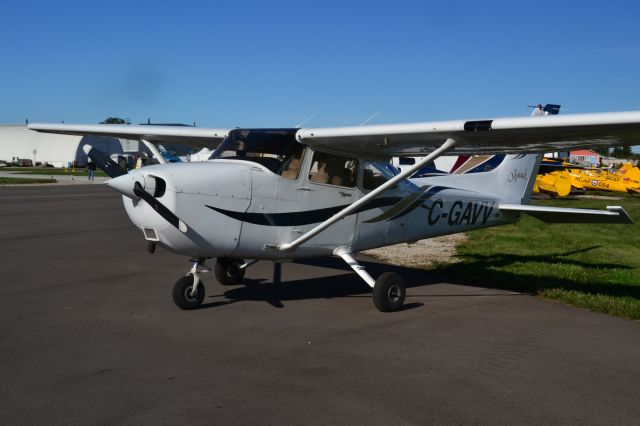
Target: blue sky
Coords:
[[275, 63]]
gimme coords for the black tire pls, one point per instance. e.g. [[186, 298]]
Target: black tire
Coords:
[[182, 295], [227, 272], [389, 292]]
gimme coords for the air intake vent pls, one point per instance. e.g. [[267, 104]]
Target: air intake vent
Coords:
[[161, 187]]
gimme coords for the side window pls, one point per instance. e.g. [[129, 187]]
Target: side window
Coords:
[[372, 177], [333, 170], [376, 173], [292, 164]]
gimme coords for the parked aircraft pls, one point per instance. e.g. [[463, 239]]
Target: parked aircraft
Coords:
[[558, 177], [603, 180], [283, 194]]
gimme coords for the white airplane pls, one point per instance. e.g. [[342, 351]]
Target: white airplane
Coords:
[[284, 194]]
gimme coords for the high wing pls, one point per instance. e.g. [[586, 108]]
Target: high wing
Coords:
[[488, 136], [196, 137], [501, 135]]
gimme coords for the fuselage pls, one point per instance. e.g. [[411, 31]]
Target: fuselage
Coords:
[[241, 208]]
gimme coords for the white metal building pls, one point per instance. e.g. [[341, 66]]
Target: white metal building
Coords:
[[18, 142]]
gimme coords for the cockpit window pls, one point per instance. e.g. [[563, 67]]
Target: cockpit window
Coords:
[[275, 149], [376, 173], [334, 170], [291, 165]]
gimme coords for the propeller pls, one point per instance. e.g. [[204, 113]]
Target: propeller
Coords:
[[160, 208], [121, 181], [103, 161]]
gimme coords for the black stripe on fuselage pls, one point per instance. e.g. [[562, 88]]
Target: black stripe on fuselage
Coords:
[[306, 217], [430, 193]]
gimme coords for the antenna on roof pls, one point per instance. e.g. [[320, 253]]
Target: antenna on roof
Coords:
[[369, 119], [305, 120]]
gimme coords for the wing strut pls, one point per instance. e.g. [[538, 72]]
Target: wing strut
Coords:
[[446, 146], [154, 150]]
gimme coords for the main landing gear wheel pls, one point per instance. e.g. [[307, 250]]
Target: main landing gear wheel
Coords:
[[389, 292], [228, 272], [184, 297]]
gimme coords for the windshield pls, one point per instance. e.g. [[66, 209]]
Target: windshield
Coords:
[[376, 173], [273, 148]]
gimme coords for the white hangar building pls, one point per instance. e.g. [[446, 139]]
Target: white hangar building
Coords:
[[18, 142]]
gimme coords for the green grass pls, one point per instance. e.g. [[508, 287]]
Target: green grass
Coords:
[[49, 171], [14, 181], [591, 266]]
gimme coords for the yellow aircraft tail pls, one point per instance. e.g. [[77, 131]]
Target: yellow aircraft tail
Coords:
[[557, 183], [632, 173]]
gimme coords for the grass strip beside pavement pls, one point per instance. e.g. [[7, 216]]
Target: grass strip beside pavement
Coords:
[[51, 172], [22, 181], [594, 266]]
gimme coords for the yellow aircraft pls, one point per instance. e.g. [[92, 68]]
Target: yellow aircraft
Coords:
[[560, 182], [630, 175], [553, 177], [555, 183], [629, 172], [604, 181]]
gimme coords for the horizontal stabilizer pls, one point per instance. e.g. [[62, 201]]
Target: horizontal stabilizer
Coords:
[[613, 214]]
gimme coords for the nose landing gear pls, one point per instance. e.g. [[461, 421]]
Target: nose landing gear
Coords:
[[188, 291]]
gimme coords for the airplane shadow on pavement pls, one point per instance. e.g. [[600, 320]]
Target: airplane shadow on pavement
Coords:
[[345, 283], [484, 269]]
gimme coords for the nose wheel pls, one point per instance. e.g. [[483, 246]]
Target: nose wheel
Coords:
[[188, 291], [184, 296]]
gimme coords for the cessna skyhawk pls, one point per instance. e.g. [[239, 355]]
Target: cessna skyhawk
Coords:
[[284, 194]]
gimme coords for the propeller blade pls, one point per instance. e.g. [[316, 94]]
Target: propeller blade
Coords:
[[103, 161], [160, 208]]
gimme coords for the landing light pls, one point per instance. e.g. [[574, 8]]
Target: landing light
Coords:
[[150, 234]]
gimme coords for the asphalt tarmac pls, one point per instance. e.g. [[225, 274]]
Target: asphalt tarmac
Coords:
[[89, 334]]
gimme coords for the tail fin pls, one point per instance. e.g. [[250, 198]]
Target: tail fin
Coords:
[[509, 176], [513, 179], [548, 109], [633, 173]]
